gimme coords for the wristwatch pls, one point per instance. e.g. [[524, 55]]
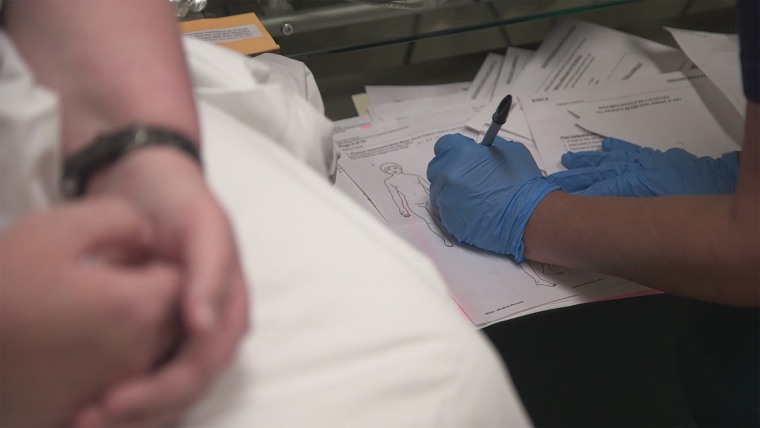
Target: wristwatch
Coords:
[[108, 148]]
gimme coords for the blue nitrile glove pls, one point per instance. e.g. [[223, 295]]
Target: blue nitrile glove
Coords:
[[485, 195], [625, 169]]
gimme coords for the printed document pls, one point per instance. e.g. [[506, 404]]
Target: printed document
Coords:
[[662, 112], [475, 95], [385, 94], [512, 67], [581, 55], [483, 85], [584, 82], [717, 55], [578, 54], [388, 163]]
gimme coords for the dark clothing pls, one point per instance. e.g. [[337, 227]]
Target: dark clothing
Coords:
[[718, 354], [748, 20], [719, 346]]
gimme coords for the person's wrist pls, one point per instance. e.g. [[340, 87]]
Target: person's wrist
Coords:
[[523, 204], [110, 148], [143, 168]]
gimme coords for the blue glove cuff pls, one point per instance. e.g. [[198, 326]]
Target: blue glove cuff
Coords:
[[525, 200]]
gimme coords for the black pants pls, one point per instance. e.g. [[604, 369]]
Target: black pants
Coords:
[[646, 361]]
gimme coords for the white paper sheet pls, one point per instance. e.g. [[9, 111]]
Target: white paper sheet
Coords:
[[717, 55], [477, 95], [384, 94], [343, 181], [581, 54], [482, 86], [512, 66], [403, 110], [578, 55], [670, 110], [389, 163]]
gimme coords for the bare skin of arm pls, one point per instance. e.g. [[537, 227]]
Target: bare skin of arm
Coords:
[[111, 62], [702, 247], [114, 62]]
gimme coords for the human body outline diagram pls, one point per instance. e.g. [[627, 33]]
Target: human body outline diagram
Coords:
[[538, 272], [411, 194]]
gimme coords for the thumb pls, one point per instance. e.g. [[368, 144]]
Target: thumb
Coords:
[[210, 256]]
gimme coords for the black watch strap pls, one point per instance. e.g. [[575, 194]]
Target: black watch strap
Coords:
[[108, 148]]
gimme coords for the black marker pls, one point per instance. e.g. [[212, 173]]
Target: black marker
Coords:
[[498, 119]]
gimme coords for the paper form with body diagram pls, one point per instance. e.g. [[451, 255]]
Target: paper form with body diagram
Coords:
[[411, 194], [389, 164]]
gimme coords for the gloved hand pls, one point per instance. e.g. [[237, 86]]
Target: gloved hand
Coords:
[[625, 169], [485, 195]]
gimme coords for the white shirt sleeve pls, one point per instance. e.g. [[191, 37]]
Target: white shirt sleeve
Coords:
[[29, 129]]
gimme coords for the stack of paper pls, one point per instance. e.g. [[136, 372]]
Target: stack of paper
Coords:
[[584, 82]]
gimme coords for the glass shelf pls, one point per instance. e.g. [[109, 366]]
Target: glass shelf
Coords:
[[350, 44], [310, 28]]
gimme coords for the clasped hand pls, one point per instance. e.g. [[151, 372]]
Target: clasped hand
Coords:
[[84, 307], [486, 195], [193, 234], [626, 169]]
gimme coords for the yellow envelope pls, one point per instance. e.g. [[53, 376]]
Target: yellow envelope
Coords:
[[244, 33]]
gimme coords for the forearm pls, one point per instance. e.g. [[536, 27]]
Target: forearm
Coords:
[[704, 247], [112, 62], [690, 246]]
